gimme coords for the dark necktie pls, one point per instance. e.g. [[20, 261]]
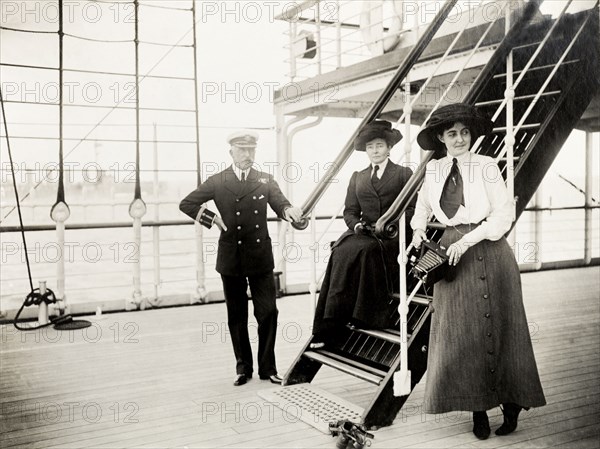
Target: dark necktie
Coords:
[[374, 178], [243, 176], [452, 194]]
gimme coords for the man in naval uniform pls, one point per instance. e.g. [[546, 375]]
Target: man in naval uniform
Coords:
[[245, 255]]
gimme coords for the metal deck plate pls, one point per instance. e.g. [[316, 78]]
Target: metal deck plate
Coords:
[[312, 405]]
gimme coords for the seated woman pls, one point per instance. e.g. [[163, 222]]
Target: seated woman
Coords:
[[362, 269]]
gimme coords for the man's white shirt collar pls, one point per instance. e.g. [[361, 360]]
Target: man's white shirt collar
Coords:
[[238, 171]]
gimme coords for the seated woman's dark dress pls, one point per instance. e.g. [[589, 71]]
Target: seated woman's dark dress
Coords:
[[362, 270]]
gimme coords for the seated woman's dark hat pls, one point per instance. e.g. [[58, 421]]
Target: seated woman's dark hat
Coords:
[[377, 129], [478, 124]]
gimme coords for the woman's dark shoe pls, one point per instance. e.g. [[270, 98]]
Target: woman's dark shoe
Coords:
[[481, 425], [511, 417]]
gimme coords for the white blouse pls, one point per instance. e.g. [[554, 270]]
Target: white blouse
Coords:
[[485, 194]]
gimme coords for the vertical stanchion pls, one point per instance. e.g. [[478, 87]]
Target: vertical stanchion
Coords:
[[338, 36], [589, 185], [313, 263], [156, 229], [137, 208], [200, 293], [60, 211], [402, 378], [509, 95]]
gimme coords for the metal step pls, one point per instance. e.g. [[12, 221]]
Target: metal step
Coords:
[[417, 299], [313, 405], [537, 68], [520, 98], [352, 367], [391, 335], [525, 126]]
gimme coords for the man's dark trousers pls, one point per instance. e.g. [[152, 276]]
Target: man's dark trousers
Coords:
[[262, 289]]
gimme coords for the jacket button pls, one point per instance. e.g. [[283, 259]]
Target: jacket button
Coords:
[[254, 197], [480, 258], [257, 226], [257, 240], [490, 352], [486, 296], [492, 371], [239, 242], [489, 334], [237, 213], [482, 277], [256, 212], [487, 315], [239, 227]]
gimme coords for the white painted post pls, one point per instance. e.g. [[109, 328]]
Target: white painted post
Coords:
[[60, 214]]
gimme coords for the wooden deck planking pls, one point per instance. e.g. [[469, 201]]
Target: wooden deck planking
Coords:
[[174, 370]]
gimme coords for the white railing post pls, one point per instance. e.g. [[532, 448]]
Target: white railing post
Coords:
[[60, 214], [156, 229], [537, 227], [137, 210], [338, 36], [509, 95], [589, 184], [318, 36], [313, 263], [402, 381], [408, 108]]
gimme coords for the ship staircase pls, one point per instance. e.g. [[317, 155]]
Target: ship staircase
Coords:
[[539, 77]]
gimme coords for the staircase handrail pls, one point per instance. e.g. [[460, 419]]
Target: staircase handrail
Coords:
[[374, 111]]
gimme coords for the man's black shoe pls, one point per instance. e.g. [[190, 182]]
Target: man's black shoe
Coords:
[[274, 378], [241, 379]]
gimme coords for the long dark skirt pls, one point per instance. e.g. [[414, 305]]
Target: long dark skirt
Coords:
[[361, 274], [480, 352]]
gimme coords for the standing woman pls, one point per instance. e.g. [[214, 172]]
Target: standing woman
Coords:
[[361, 270], [480, 352]]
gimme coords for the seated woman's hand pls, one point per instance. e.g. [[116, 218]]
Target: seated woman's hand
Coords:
[[418, 237], [359, 229]]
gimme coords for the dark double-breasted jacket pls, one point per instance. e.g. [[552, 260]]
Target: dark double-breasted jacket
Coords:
[[245, 248]]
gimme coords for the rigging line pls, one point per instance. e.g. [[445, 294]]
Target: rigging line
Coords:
[[162, 44], [16, 191], [100, 106], [106, 115], [95, 72], [108, 2], [104, 41], [147, 5], [572, 184], [27, 31], [163, 125], [99, 139]]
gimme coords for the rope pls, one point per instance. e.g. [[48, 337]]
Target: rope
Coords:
[[34, 297], [27, 31], [125, 41]]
